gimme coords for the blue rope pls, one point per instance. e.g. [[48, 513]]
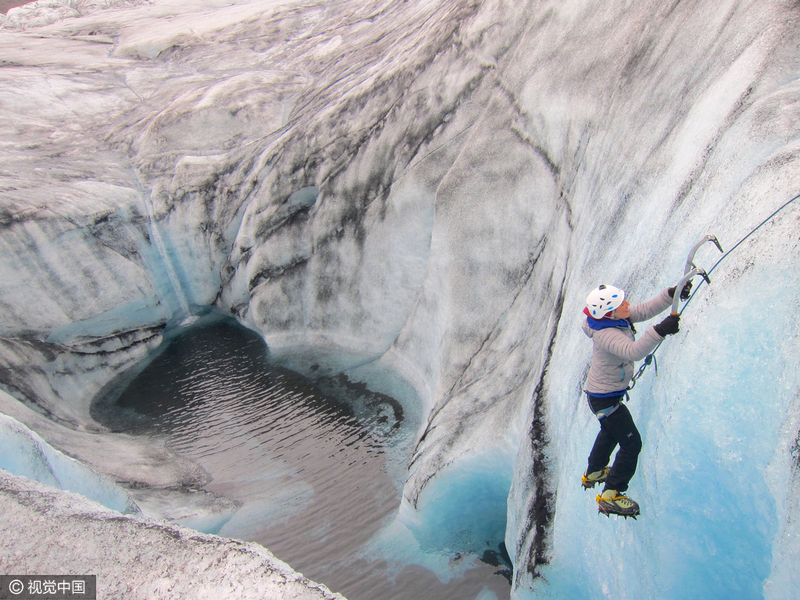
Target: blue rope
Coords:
[[652, 356]]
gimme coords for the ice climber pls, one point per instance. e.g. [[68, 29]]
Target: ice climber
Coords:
[[609, 322]]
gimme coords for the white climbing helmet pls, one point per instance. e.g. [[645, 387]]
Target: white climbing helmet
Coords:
[[604, 299]]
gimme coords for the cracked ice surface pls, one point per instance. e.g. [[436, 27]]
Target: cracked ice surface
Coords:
[[433, 188]]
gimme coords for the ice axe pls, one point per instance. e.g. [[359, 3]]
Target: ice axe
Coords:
[[686, 279], [690, 260], [690, 270]]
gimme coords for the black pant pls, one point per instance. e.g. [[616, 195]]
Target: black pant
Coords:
[[616, 428]]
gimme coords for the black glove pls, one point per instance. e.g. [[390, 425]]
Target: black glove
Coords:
[[668, 326], [685, 292]]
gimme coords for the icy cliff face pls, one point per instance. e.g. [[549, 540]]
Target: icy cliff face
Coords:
[[26, 454], [433, 188]]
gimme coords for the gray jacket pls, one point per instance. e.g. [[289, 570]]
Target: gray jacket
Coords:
[[615, 348]]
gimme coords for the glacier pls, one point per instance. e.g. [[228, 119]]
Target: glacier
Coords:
[[26, 454], [420, 195]]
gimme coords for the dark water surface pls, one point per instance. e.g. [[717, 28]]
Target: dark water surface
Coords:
[[307, 469]]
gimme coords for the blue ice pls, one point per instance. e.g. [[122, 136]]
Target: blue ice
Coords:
[[25, 453]]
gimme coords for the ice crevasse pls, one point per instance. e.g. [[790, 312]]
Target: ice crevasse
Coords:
[[430, 189]]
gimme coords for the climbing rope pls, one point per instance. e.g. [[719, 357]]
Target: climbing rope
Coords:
[[651, 358]]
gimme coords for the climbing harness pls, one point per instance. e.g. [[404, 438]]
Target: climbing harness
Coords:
[[690, 271], [602, 414]]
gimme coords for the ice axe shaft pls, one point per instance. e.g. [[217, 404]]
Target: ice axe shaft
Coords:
[[676, 297]]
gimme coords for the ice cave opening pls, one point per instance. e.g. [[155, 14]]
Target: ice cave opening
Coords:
[[311, 468]]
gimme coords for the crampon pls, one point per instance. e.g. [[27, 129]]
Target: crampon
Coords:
[[589, 480], [611, 503]]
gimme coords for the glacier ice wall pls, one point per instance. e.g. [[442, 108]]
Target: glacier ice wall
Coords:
[[24, 453], [433, 188]]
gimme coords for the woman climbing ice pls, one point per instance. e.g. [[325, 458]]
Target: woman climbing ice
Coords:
[[609, 322]]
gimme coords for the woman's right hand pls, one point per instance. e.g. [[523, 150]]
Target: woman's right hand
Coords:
[[668, 326]]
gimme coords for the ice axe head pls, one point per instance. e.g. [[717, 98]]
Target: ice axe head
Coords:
[[700, 242], [686, 278]]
